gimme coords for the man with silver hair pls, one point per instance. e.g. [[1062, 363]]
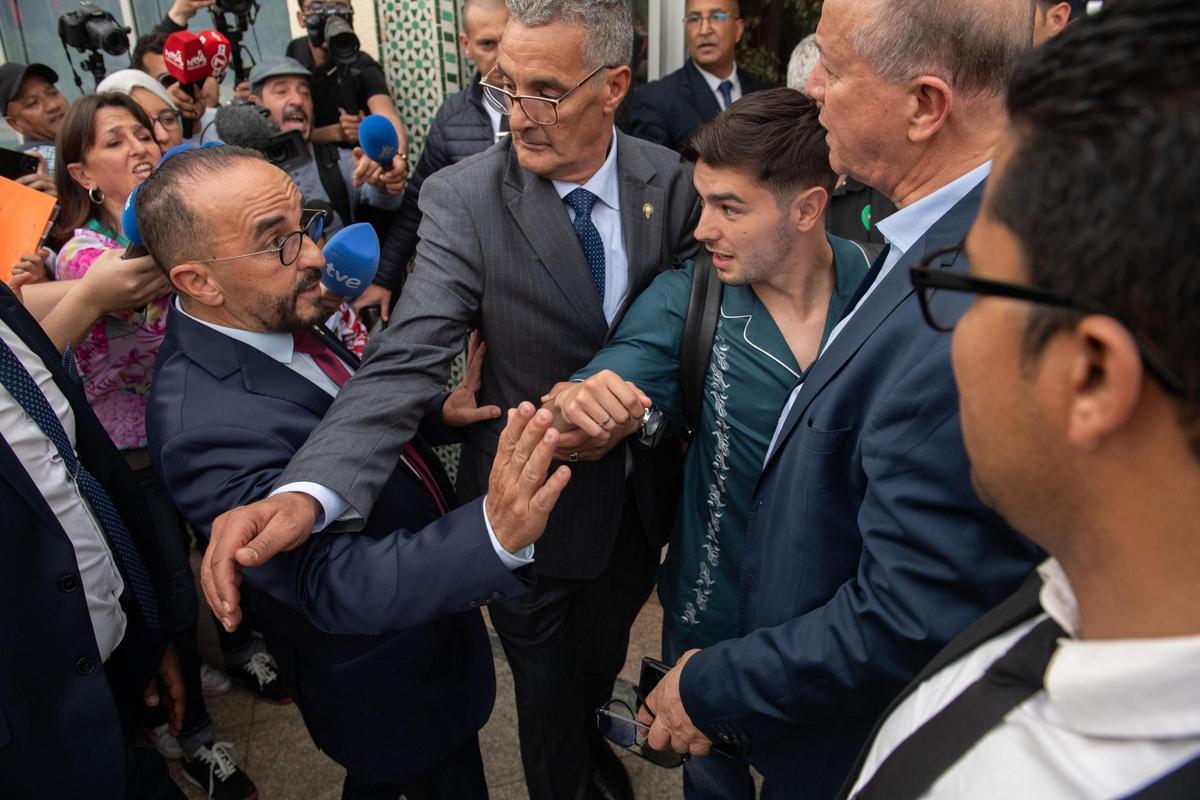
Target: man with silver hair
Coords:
[[867, 548], [541, 242]]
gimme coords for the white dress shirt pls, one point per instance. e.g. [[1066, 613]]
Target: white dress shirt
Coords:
[[714, 83], [102, 584], [494, 116], [606, 216], [280, 347], [1115, 714], [902, 230]]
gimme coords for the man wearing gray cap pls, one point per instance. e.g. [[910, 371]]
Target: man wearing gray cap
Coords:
[[34, 108], [344, 179]]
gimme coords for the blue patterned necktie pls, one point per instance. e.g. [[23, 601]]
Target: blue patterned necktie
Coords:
[[581, 200], [21, 385], [726, 89]]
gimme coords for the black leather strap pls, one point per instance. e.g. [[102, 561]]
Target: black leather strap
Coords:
[[1181, 783], [330, 172], [704, 309]]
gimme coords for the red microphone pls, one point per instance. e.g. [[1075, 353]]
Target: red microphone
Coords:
[[217, 50], [186, 62]]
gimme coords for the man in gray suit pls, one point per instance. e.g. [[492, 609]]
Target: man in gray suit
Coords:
[[541, 242]]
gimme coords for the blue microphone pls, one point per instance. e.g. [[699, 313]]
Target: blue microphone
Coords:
[[179, 148], [351, 260], [129, 227], [378, 139]]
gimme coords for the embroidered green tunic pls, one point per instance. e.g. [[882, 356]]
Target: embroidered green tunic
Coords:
[[750, 374]]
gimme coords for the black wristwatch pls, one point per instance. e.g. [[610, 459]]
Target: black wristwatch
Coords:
[[652, 428]]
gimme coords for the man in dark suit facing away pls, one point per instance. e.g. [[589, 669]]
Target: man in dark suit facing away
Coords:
[[82, 582], [669, 110], [867, 549], [377, 633], [541, 242]]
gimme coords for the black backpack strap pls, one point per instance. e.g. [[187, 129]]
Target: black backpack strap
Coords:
[[871, 250], [1178, 784], [704, 309], [330, 172]]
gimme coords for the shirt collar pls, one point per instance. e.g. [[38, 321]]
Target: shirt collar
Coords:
[[1118, 688], [903, 228], [714, 82], [275, 345], [603, 184]]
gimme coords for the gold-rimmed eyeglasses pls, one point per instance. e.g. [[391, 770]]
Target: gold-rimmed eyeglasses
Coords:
[[540, 110]]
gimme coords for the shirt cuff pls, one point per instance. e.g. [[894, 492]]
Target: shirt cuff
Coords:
[[332, 504], [511, 561]]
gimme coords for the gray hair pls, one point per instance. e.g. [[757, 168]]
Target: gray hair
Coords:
[[803, 61], [607, 25], [973, 45]]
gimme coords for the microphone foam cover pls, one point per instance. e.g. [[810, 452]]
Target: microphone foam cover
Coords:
[[378, 139], [129, 223], [245, 125], [183, 55], [216, 49], [351, 260]]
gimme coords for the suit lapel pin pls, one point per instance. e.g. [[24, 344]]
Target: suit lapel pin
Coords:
[[647, 210]]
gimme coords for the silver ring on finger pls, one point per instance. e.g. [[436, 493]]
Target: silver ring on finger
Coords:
[[607, 419], [573, 456]]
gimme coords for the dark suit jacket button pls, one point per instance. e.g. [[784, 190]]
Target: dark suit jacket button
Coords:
[[68, 583], [85, 666]]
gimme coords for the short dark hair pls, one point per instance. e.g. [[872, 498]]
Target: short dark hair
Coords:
[[150, 43], [75, 138], [1100, 188], [775, 136], [170, 228]]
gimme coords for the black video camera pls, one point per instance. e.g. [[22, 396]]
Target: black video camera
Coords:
[[237, 6], [332, 25], [93, 28]]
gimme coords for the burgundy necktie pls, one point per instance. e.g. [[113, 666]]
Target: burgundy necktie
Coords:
[[329, 363]]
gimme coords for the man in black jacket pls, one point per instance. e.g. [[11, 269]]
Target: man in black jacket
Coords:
[[668, 111], [464, 125]]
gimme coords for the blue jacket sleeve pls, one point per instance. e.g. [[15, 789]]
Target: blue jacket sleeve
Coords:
[[645, 348], [341, 582], [933, 560]]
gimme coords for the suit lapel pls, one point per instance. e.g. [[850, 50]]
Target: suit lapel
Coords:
[[222, 356], [893, 290], [641, 232], [702, 97], [540, 214]]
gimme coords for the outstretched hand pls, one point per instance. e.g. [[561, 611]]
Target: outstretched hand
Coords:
[[520, 495], [461, 407], [247, 537]]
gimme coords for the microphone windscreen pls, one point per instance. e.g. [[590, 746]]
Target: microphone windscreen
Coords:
[[351, 260], [378, 139], [129, 223], [216, 48], [179, 148], [245, 125], [183, 55]]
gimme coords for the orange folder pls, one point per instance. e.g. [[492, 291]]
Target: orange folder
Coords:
[[25, 216]]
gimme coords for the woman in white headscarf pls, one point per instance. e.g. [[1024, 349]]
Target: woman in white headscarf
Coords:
[[159, 105]]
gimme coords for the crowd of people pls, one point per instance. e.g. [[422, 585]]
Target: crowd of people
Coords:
[[865, 375]]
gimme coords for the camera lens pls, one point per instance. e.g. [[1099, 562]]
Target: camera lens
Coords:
[[108, 36], [343, 42]]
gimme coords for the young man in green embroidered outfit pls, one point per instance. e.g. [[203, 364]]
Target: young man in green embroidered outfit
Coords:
[[762, 172]]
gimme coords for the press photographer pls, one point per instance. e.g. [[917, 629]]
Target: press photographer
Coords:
[[347, 180], [346, 82]]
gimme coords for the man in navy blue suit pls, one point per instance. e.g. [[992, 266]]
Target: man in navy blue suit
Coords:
[[82, 583], [867, 548], [377, 633]]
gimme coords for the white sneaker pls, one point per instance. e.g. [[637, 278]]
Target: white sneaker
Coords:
[[213, 682], [166, 744]]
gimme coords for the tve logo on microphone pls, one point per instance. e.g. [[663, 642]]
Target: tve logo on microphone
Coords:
[[351, 260]]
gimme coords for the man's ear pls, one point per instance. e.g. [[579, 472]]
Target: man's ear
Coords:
[[807, 209], [197, 283], [1057, 19], [1105, 380], [929, 102], [254, 99], [12, 121], [741, 28], [463, 41], [616, 84]]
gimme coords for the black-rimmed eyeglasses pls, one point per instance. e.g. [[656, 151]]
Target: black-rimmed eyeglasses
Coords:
[[540, 110], [927, 278], [312, 224]]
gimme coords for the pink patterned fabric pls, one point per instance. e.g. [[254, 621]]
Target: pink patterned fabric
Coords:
[[349, 328], [116, 357]]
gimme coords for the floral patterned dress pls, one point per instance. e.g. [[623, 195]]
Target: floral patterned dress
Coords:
[[116, 357]]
